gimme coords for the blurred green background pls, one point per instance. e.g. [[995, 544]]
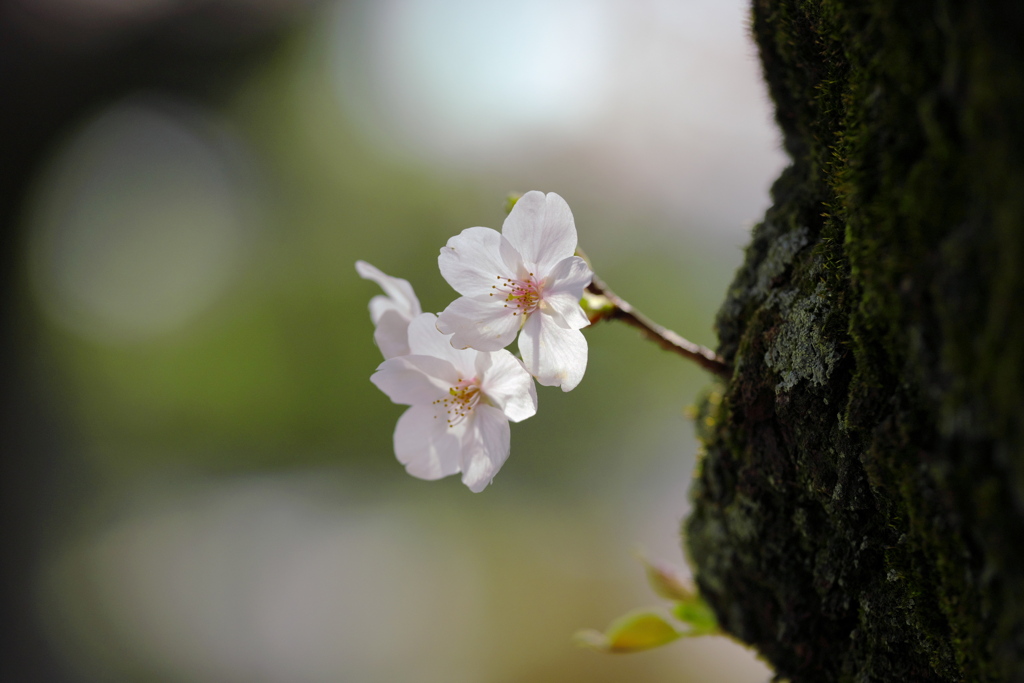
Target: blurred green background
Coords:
[[231, 507]]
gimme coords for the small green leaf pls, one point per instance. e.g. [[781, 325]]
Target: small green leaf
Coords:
[[634, 632], [698, 615], [669, 582], [640, 630]]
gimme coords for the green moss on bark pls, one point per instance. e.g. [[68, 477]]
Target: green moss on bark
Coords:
[[859, 510]]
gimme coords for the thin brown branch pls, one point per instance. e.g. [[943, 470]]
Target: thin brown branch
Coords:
[[665, 338]]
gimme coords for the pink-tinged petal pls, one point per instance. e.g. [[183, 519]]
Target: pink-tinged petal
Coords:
[[563, 290], [542, 230], [565, 310], [381, 305], [554, 355], [471, 262], [570, 275], [426, 340], [484, 325], [507, 384], [400, 295], [392, 334], [413, 380], [425, 444], [485, 447], [512, 259]]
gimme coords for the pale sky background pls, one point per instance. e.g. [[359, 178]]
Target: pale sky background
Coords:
[[663, 95]]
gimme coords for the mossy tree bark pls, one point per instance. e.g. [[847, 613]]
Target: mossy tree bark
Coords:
[[859, 510]]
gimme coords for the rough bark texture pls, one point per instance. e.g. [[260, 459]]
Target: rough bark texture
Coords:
[[859, 510]]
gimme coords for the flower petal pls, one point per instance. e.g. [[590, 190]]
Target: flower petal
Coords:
[[507, 384], [563, 290], [565, 310], [485, 447], [484, 325], [381, 305], [542, 230], [400, 295], [425, 444], [570, 275], [392, 334], [415, 380], [426, 340], [554, 355], [471, 262], [512, 258]]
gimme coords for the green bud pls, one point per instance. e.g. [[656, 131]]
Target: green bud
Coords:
[[510, 200], [596, 306]]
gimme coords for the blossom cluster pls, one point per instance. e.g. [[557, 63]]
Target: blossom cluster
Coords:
[[453, 370]]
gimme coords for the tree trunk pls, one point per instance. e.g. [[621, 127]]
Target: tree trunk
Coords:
[[859, 510]]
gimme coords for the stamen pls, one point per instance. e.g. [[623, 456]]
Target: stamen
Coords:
[[523, 295], [461, 400]]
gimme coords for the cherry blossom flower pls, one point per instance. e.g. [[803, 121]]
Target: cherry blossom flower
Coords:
[[523, 280], [392, 311], [461, 403]]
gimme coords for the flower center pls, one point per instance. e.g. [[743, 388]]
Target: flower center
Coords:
[[461, 400], [522, 295]]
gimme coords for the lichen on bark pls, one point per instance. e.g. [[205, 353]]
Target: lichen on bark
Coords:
[[859, 507]]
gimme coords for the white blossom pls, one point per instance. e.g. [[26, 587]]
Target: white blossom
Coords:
[[390, 312], [524, 280], [461, 403]]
